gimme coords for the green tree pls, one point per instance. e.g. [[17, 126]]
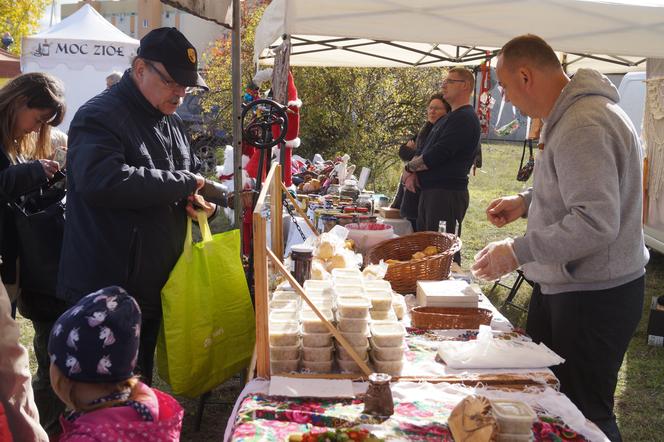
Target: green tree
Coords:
[[365, 112], [218, 62], [20, 18]]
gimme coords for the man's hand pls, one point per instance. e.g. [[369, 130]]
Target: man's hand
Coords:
[[495, 260], [504, 210], [196, 202], [247, 197], [410, 144], [50, 167], [409, 180]]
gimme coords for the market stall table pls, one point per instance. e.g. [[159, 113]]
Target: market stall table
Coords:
[[421, 411]]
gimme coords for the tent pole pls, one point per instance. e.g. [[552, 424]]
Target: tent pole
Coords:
[[237, 114]]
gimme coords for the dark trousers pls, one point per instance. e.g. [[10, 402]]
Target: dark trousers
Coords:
[[49, 405], [148, 343], [442, 205], [591, 331]]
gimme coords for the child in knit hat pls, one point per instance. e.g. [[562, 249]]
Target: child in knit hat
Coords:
[[93, 348]]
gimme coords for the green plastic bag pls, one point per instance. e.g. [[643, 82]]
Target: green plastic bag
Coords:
[[208, 329]]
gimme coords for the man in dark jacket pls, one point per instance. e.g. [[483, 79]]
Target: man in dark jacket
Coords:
[[130, 181], [441, 172]]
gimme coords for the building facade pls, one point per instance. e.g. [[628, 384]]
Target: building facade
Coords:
[[138, 17]]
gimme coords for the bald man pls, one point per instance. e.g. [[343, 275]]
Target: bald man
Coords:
[[584, 243]]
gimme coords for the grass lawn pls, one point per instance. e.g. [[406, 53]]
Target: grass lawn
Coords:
[[640, 392]]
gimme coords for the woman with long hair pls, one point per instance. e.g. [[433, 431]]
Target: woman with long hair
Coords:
[[30, 105]]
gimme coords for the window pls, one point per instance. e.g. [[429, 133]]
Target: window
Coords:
[[145, 22]]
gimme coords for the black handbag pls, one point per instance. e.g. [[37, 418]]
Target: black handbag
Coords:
[[525, 170], [40, 224]]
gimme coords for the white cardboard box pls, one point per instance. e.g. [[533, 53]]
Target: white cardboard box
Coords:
[[447, 293]]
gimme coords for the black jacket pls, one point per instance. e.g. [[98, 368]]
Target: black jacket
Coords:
[[15, 180], [128, 176], [450, 150]]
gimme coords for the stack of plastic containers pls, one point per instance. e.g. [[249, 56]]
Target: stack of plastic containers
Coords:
[[353, 317], [515, 420], [317, 354], [387, 344], [285, 345]]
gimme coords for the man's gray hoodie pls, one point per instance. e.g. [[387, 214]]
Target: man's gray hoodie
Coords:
[[584, 210]]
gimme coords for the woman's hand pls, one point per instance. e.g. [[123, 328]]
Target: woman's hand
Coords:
[[411, 144], [50, 167]]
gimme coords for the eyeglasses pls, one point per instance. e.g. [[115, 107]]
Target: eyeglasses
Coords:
[[171, 84], [436, 108], [452, 80]]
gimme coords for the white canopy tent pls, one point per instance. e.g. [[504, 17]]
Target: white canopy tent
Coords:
[[447, 32], [81, 50]]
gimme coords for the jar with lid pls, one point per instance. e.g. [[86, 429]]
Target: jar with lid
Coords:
[[349, 190], [301, 256], [366, 200]]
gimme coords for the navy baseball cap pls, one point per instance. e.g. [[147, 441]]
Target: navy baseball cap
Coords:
[[172, 49]]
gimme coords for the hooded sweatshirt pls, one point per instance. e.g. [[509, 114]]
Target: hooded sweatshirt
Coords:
[[584, 210]]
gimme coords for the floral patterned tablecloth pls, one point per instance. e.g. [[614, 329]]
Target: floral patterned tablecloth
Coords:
[[265, 418]]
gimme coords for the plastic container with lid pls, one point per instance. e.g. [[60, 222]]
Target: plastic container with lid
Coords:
[[284, 366], [378, 284], [509, 437], [349, 289], [354, 325], [353, 306], [387, 334], [514, 417], [317, 284], [347, 273], [386, 353], [284, 305], [317, 354], [392, 368], [311, 323], [317, 367], [380, 299], [356, 339], [399, 306], [284, 315], [383, 315], [342, 354], [317, 339], [283, 333], [347, 280], [350, 366], [285, 352], [285, 296], [320, 303]]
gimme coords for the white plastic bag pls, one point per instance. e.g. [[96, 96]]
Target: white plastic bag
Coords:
[[487, 352]]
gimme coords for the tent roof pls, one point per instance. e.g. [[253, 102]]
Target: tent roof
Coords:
[[85, 24], [444, 32]]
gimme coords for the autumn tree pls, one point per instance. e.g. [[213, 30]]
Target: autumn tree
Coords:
[[20, 18]]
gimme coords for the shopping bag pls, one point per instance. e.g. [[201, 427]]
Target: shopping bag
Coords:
[[208, 327]]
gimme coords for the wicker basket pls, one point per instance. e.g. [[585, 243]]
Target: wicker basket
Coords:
[[404, 276], [444, 318]]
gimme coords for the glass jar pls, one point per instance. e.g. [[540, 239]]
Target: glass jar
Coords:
[[365, 200], [349, 190], [301, 256]]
